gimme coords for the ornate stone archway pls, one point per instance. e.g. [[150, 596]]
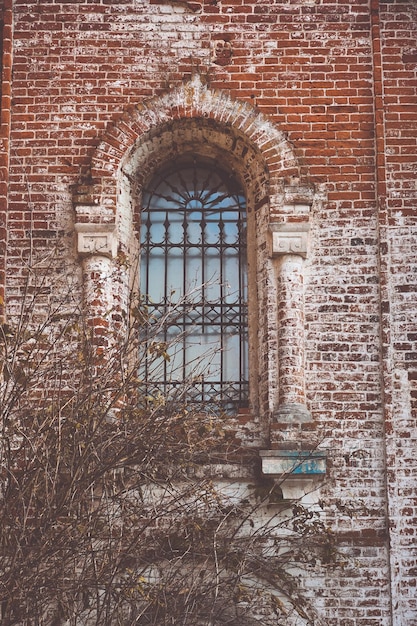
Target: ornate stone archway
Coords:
[[194, 118]]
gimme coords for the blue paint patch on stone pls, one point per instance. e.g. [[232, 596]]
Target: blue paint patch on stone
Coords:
[[295, 462]]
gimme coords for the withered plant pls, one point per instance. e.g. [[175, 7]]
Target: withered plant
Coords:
[[115, 505]]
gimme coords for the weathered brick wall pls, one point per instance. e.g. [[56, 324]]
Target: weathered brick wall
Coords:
[[5, 102], [398, 220], [338, 79]]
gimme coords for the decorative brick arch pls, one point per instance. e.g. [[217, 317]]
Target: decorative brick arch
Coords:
[[195, 119], [191, 100]]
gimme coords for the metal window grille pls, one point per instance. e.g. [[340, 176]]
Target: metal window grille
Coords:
[[194, 283]]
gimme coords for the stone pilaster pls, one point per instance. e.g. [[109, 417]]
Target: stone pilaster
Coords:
[[289, 247], [97, 247]]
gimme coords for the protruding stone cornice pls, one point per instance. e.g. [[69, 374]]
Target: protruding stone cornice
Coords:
[[289, 238], [96, 239]]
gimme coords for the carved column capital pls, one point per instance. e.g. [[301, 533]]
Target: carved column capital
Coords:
[[289, 238], [96, 239]]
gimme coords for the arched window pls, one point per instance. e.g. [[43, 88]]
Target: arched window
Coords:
[[194, 283]]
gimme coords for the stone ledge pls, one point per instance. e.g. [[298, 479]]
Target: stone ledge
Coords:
[[293, 462], [297, 473]]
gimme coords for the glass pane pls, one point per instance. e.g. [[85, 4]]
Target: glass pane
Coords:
[[173, 281], [175, 228]]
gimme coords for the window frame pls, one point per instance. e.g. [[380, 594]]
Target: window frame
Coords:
[[182, 195]]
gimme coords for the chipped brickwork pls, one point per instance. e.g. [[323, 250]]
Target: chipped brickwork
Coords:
[[398, 221], [314, 104], [5, 103]]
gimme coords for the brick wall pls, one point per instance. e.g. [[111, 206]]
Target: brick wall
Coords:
[[5, 101], [338, 79], [398, 220]]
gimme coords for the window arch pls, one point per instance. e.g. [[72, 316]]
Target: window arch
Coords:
[[193, 280]]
